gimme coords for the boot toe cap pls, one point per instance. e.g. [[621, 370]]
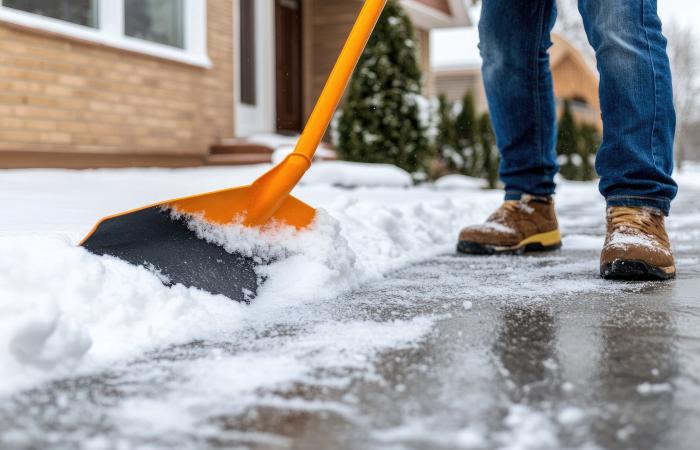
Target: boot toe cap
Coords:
[[486, 235], [652, 255]]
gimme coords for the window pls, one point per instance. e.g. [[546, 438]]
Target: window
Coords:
[[81, 12], [171, 29], [155, 20], [247, 52]]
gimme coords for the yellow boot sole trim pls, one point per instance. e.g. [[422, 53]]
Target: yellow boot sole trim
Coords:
[[548, 239]]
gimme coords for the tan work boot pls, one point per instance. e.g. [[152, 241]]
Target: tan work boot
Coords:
[[636, 246], [528, 224]]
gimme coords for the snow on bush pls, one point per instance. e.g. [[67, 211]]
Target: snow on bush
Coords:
[[381, 118]]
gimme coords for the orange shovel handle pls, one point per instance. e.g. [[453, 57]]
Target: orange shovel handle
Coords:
[[329, 99], [269, 192]]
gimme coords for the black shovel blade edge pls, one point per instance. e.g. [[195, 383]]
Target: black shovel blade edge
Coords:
[[152, 238]]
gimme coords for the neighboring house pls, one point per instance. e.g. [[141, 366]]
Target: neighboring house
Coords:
[[457, 68], [105, 83]]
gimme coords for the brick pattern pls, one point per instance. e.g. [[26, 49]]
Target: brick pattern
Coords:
[[62, 95], [326, 26], [328, 23]]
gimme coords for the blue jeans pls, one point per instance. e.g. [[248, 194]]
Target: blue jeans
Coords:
[[635, 160]]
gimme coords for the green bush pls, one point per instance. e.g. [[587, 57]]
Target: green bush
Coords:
[[457, 136], [488, 152], [576, 147], [380, 120], [467, 125], [589, 143], [567, 144], [465, 143], [446, 148]]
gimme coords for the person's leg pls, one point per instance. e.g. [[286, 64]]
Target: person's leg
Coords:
[[635, 160], [514, 39]]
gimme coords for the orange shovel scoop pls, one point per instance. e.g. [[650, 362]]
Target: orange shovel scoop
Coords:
[[152, 237]]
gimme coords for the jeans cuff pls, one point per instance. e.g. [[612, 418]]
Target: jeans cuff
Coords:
[[517, 195], [636, 201]]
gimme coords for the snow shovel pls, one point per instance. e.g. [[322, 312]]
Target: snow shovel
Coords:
[[156, 238]]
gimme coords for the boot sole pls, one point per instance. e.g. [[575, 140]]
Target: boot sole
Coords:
[[634, 270], [543, 242]]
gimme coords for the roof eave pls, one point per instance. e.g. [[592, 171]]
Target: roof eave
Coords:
[[457, 69], [428, 18]]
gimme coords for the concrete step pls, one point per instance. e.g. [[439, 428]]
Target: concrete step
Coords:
[[236, 152], [241, 147], [238, 159], [240, 151]]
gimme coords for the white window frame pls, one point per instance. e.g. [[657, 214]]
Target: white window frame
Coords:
[[110, 31], [258, 118]]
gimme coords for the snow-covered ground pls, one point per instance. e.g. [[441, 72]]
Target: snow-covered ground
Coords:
[[64, 310], [65, 313]]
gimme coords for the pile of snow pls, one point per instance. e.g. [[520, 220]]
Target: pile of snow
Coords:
[[63, 308], [284, 145], [449, 182], [274, 140], [419, 434], [65, 311], [349, 174]]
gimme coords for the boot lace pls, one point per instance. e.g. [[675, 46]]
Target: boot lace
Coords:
[[511, 206], [624, 219], [509, 213]]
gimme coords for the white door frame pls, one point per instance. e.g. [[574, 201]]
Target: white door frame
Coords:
[[259, 118]]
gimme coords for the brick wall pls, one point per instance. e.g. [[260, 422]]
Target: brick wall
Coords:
[[61, 97], [327, 24]]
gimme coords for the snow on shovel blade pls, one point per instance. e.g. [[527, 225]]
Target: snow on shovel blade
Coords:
[[151, 237], [155, 238]]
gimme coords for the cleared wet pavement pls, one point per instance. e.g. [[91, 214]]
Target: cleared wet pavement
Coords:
[[531, 352]]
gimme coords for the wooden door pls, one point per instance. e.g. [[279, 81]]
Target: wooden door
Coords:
[[289, 65]]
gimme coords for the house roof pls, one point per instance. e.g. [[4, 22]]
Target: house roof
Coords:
[[440, 5], [456, 49], [432, 14], [562, 47]]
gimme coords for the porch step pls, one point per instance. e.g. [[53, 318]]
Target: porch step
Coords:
[[236, 152], [239, 148], [238, 159]]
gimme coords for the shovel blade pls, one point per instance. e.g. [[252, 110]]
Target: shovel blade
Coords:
[[153, 238], [223, 207]]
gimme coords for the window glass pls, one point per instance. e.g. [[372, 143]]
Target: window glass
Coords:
[[81, 12], [247, 53], [158, 21]]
